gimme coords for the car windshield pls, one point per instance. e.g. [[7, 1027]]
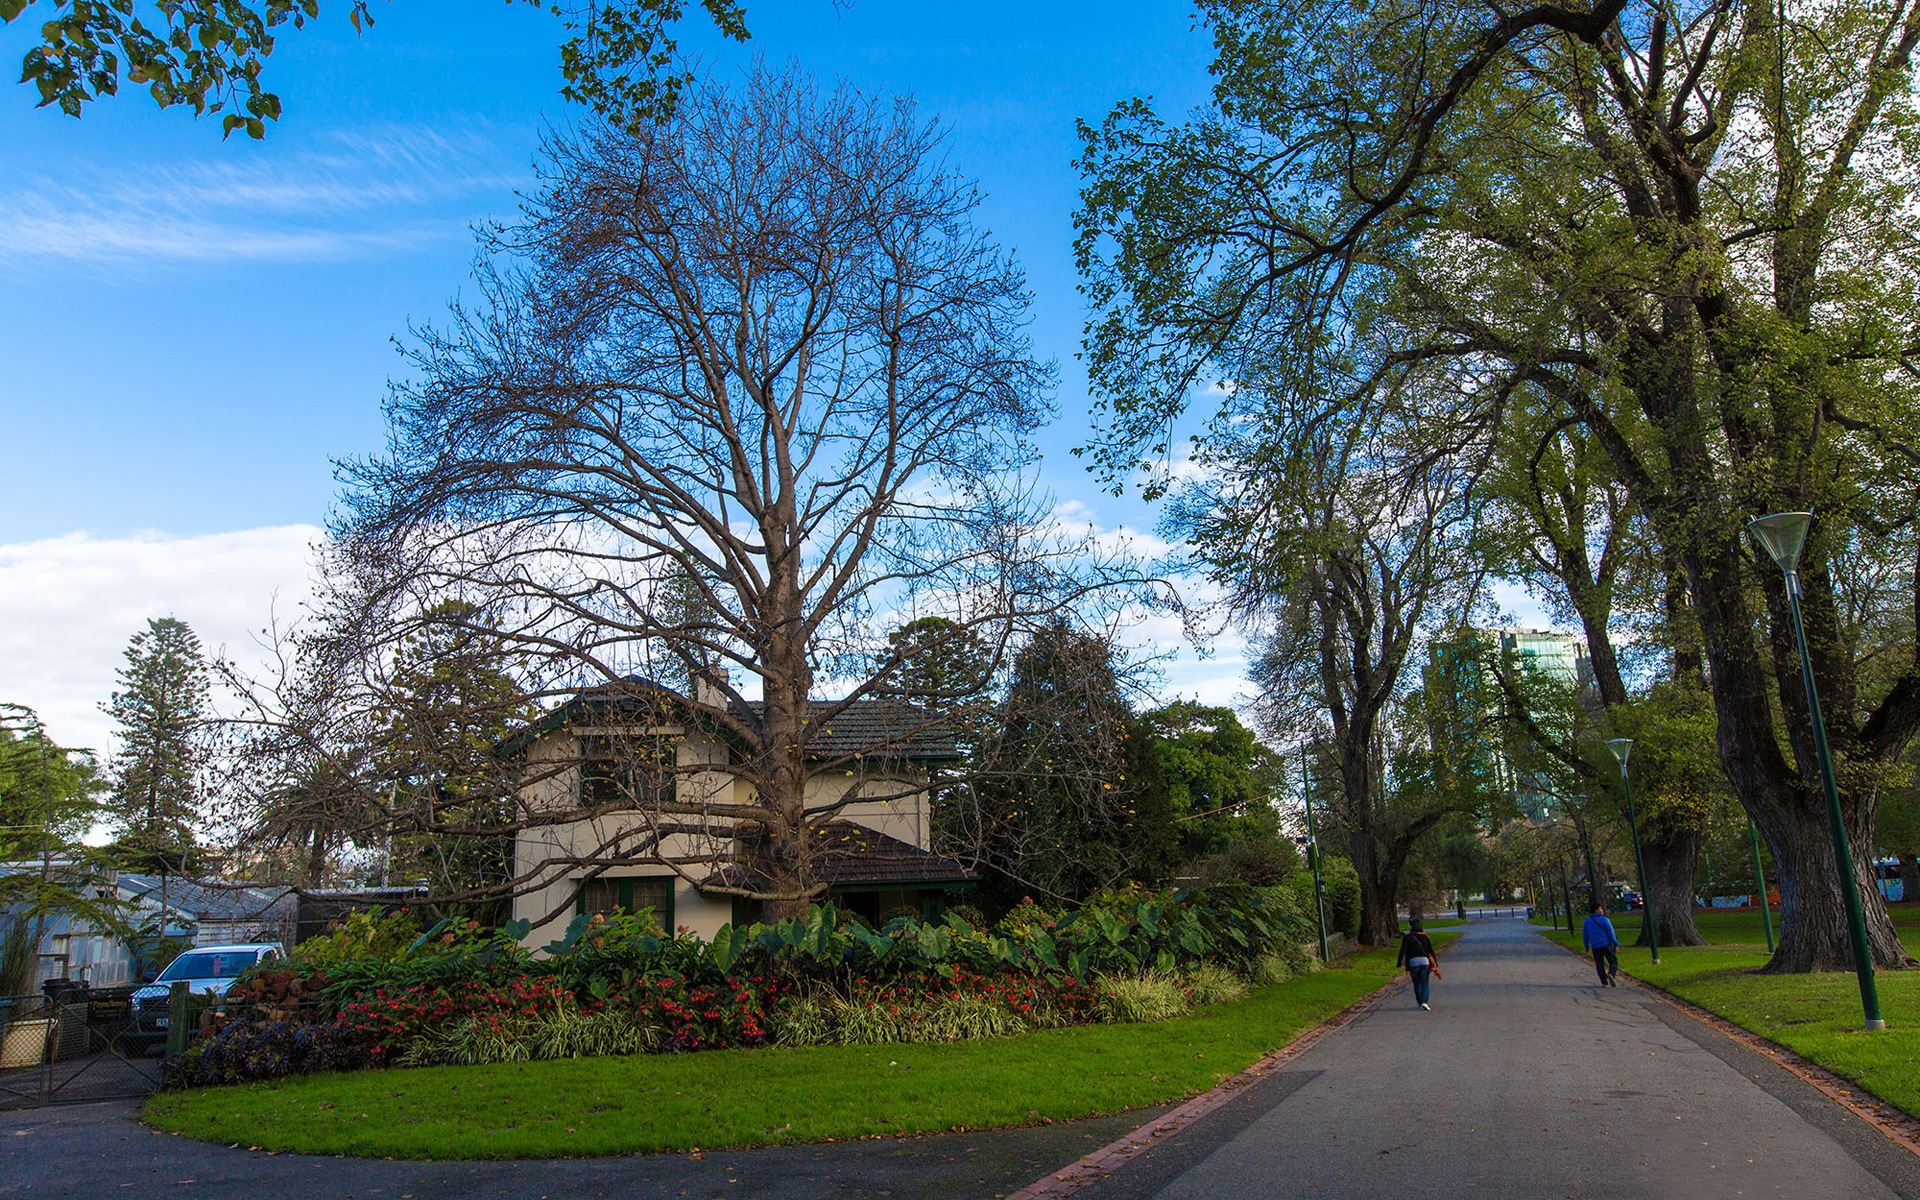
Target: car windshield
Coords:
[[224, 964]]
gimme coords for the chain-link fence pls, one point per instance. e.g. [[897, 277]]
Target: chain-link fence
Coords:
[[78, 1043]]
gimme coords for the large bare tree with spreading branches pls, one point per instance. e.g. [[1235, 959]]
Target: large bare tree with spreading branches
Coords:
[[742, 391]]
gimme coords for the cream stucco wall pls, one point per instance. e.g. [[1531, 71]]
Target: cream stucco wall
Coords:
[[549, 901]]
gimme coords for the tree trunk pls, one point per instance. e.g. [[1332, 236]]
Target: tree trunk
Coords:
[[1785, 802], [1672, 857], [1909, 877], [1379, 912], [1813, 915]]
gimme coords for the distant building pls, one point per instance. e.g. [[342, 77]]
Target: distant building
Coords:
[[1465, 725], [73, 946]]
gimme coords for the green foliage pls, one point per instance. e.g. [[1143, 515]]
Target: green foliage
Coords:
[[161, 709], [621, 59], [1065, 806], [1270, 969], [450, 953], [1342, 883], [751, 1097], [361, 934], [1210, 983], [49, 798], [936, 663], [453, 697], [1134, 998]]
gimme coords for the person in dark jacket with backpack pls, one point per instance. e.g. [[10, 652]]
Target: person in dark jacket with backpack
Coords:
[[1417, 956], [1604, 944]]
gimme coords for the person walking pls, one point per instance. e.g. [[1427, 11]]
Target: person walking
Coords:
[[1604, 944], [1417, 956]]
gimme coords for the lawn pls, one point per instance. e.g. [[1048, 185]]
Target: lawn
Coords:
[[1816, 1016], [726, 1098]]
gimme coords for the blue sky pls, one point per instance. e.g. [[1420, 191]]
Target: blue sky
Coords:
[[192, 330]]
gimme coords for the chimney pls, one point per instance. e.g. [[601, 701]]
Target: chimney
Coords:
[[710, 687]]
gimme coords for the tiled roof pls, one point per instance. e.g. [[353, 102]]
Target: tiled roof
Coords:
[[847, 854], [231, 903], [871, 728], [877, 728]]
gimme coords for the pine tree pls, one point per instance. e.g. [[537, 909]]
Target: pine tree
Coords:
[[162, 711]]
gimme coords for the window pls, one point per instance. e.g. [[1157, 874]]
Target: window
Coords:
[[626, 770], [224, 965], [629, 894]]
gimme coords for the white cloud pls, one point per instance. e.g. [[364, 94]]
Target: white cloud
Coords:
[[69, 604], [356, 194]]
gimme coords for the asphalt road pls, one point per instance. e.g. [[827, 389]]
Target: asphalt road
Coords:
[[100, 1150], [1529, 1081]]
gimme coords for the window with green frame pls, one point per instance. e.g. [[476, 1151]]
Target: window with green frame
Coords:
[[626, 770], [609, 894]]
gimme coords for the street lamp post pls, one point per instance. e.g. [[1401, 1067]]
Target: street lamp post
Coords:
[[1760, 878], [1622, 747], [1313, 858], [1782, 535]]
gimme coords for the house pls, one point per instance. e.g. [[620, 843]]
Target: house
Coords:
[[603, 763]]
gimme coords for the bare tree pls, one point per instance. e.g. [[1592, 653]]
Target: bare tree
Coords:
[[743, 389]]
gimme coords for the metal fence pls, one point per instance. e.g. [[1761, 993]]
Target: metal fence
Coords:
[[76, 1044]]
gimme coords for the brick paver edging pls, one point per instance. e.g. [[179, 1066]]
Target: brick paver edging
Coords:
[[1109, 1158], [1900, 1128]]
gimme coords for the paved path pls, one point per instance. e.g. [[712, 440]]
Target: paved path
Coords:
[[1526, 1081]]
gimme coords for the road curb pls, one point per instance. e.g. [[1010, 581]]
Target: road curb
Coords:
[[1897, 1126], [1105, 1161]]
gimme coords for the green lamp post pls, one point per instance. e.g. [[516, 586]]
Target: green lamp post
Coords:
[[1782, 535], [1313, 857], [1760, 878], [1622, 747]]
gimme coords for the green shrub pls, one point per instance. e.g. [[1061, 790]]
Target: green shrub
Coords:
[[359, 935], [806, 1021], [471, 1041], [1270, 969], [1150, 997], [866, 1023], [960, 1018], [1211, 983], [1343, 895]]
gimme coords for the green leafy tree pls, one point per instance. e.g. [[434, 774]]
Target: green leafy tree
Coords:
[[1062, 807], [939, 664], [1684, 229], [1218, 776], [451, 700], [49, 799], [621, 59]]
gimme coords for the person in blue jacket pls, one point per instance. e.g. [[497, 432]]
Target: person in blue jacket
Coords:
[[1604, 944]]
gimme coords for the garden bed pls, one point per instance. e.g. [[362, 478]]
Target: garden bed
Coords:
[[734, 1098]]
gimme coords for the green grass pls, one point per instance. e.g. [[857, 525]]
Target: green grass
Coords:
[[729, 1098], [1815, 1016]]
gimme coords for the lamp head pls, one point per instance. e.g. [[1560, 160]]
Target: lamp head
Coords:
[[1621, 747], [1782, 535]]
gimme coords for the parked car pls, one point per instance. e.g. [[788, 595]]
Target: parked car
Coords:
[[205, 970]]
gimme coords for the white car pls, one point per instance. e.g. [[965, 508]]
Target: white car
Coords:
[[204, 969]]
